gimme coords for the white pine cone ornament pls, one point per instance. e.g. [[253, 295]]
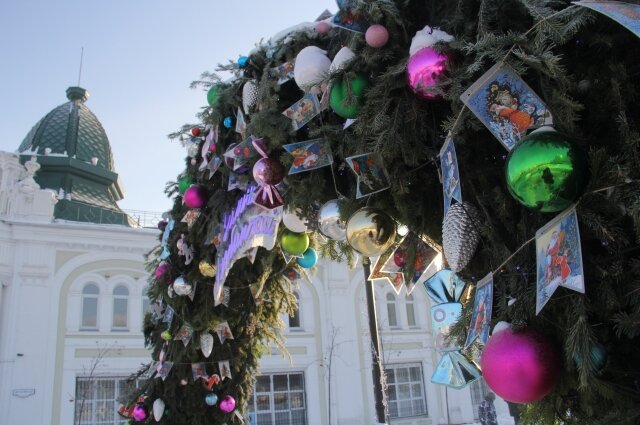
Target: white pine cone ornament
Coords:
[[460, 235], [249, 96]]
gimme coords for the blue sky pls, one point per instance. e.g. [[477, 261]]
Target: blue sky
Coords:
[[139, 58]]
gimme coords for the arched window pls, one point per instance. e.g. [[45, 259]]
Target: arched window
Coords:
[[411, 313], [120, 308], [294, 321], [391, 310], [146, 304], [90, 307]]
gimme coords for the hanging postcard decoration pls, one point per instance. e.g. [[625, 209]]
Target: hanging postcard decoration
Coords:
[[163, 369], [427, 261], [303, 111], [309, 155], [482, 306], [168, 316], [225, 369], [241, 125], [626, 14], [283, 72], [208, 148], [450, 174], [190, 217], [372, 176], [242, 153], [396, 280], [348, 17], [506, 105], [558, 257], [199, 370], [184, 334], [238, 181], [165, 239], [224, 331]]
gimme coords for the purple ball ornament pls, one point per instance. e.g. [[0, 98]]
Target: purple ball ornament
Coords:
[[195, 197], [162, 224], [162, 269], [521, 366], [424, 70], [376, 36], [268, 172], [140, 412], [227, 404]]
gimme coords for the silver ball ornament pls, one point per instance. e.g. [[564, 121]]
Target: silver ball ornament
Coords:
[[182, 287], [329, 222]]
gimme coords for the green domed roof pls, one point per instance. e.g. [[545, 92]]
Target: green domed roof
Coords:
[[73, 129], [76, 162]]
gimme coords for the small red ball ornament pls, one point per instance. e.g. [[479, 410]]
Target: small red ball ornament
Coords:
[[376, 36], [195, 131]]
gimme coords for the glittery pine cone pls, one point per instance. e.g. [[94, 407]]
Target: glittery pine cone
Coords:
[[460, 235]]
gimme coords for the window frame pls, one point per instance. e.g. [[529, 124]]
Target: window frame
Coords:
[[87, 296], [392, 301], [296, 315], [252, 404], [117, 297], [411, 302], [411, 384], [94, 401]]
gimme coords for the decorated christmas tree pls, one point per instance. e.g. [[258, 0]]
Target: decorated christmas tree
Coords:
[[503, 134]]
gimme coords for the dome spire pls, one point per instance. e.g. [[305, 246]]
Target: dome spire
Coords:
[[77, 93]]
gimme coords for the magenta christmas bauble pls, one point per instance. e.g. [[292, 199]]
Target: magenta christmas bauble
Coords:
[[140, 413], [520, 366], [268, 172], [424, 69], [227, 404], [162, 269], [376, 36], [195, 197]]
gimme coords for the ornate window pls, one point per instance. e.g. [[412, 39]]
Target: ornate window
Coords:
[[406, 390], [411, 313], [294, 321], [120, 308], [278, 399], [96, 399], [392, 315], [90, 294]]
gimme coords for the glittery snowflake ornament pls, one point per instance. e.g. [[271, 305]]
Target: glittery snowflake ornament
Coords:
[[460, 234]]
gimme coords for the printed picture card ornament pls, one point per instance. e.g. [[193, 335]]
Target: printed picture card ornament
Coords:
[[376, 36], [238, 156], [241, 124], [190, 217], [329, 222], [185, 333], [211, 399], [206, 344], [223, 330], [227, 404], [445, 287], [140, 412], [199, 371], [311, 67], [455, 371], [372, 176], [282, 72], [249, 96], [443, 317], [181, 287], [341, 58], [169, 313], [371, 231], [309, 259], [426, 65], [482, 307], [238, 181], [348, 16], [558, 257], [597, 357], [396, 280], [225, 370], [212, 95], [626, 14], [256, 292], [309, 155], [506, 105], [158, 409], [450, 174], [460, 235], [520, 366], [163, 369], [291, 274], [294, 220], [303, 111], [294, 243], [192, 294], [427, 261], [546, 171], [347, 95], [195, 196], [207, 269]]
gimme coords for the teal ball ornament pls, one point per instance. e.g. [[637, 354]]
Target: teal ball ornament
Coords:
[[597, 355], [339, 96], [294, 243], [211, 399], [546, 171], [309, 259]]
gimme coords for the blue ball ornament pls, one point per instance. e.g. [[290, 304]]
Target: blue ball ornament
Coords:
[[228, 122], [211, 399], [309, 259], [597, 354], [243, 61]]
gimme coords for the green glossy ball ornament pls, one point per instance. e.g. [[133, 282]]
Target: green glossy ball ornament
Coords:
[[294, 243], [546, 171], [338, 96], [183, 185], [212, 95], [166, 335]]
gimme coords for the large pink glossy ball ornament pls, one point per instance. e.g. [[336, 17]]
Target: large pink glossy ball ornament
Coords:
[[376, 36], [195, 197], [227, 404], [162, 269], [268, 172], [520, 366], [424, 69], [140, 413]]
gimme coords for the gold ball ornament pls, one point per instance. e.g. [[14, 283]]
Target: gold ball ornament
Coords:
[[207, 269], [371, 231]]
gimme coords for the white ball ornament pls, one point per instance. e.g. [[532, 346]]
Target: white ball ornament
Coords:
[[343, 56], [311, 67], [293, 222]]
